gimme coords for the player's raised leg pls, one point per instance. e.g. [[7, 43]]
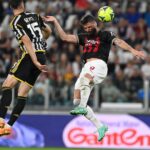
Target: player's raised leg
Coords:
[[83, 108]]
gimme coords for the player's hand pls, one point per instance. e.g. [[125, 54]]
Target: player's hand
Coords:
[[139, 54], [41, 67], [49, 19]]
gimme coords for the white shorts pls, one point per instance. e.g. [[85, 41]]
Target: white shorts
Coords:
[[96, 68]]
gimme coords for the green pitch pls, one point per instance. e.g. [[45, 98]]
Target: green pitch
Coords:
[[2, 148]]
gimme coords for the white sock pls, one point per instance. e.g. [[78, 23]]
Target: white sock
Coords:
[[91, 116], [85, 93], [76, 102]]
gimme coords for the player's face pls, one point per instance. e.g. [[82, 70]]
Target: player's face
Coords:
[[90, 27]]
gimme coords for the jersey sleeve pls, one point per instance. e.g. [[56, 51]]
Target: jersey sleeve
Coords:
[[80, 39], [41, 22], [18, 29], [108, 36]]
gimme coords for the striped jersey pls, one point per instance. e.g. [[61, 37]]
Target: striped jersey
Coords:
[[30, 24], [97, 45]]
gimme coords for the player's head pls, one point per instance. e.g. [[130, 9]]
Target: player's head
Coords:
[[89, 24], [16, 4]]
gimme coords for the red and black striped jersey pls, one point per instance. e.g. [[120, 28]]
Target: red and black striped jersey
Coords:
[[96, 46]]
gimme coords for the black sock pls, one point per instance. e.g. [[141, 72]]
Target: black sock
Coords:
[[21, 102], [5, 101]]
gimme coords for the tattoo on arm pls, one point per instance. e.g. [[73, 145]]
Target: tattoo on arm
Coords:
[[122, 44]]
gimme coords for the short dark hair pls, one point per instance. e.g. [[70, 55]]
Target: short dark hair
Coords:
[[87, 18], [14, 4]]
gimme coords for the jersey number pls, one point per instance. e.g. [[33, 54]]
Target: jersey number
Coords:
[[91, 49], [34, 28]]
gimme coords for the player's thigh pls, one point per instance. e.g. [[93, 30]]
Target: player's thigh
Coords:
[[77, 87], [24, 89], [79, 83], [10, 81], [21, 69], [34, 71], [96, 71]]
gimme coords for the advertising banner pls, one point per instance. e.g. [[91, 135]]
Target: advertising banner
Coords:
[[125, 131]]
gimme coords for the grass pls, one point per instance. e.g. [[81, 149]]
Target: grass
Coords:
[[50, 148], [5, 148]]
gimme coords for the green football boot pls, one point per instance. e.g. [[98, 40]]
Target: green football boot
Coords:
[[101, 131], [79, 111]]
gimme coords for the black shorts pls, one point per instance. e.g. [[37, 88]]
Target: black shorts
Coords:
[[25, 71]]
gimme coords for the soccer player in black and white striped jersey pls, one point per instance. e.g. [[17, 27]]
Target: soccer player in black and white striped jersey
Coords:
[[31, 32]]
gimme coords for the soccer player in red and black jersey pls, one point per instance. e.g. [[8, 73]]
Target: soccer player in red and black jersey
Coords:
[[96, 47]]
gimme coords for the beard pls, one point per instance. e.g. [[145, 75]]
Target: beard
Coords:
[[93, 32]]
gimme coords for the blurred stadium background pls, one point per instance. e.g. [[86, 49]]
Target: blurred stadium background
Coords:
[[122, 101]]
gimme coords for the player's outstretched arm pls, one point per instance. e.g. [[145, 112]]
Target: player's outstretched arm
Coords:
[[28, 44], [122, 44], [64, 36]]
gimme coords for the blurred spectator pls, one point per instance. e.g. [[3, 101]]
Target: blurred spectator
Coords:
[[111, 93], [76, 65], [71, 52], [128, 71], [59, 95], [135, 83], [132, 39], [120, 80], [37, 95], [68, 75], [62, 64], [118, 14], [132, 15], [113, 60], [124, 30], [141, 29], [146, 43], [147, 16], [31, 5], [132, 23], [82, 5], [145, 68], [1, 11]]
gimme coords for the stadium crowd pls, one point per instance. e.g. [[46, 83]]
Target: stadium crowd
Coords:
[[126, 74]]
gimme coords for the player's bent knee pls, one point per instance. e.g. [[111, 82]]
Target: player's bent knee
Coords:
[[23, 93], [9, 82], [24, 89], [87, 75], [84, 82]]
